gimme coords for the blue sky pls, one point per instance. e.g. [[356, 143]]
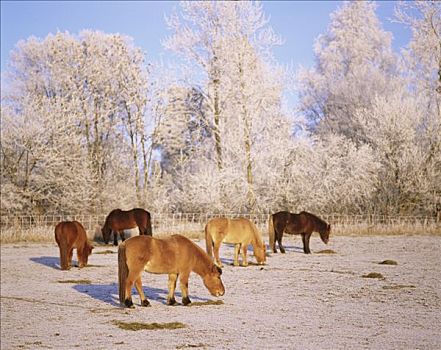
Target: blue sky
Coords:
[[298, 22]]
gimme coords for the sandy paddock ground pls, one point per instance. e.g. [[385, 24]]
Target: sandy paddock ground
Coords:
[[295, 301]]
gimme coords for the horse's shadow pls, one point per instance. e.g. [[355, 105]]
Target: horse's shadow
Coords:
[[108, 293], [290, 248], [49, 261]]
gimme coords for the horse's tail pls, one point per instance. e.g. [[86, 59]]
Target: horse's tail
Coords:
[[148, 229], [208, 242], [123, 271], [271, 233]]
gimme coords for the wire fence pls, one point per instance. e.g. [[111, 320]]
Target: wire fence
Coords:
[[15, 228]]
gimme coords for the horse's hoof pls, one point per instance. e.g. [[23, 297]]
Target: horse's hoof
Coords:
[[128, 303], [235, 264], [186, 301], [171, 302], [145, 302]]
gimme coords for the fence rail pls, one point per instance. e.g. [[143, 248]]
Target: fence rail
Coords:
[[163, 223]]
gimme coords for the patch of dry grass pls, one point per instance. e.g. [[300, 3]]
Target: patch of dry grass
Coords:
[[204, 303], [107, 251], [76, 281], [138, 326], [373, 275], [185, 346], [399, 286], [388, 262], [327, 251]]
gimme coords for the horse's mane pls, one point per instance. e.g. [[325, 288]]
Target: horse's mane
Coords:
[[257, 235], [109, 215], [321, 223], [203, 255]]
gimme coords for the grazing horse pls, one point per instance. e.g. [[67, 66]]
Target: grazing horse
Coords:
[[119, 220], [303, 223], [239, 231], [70, 235], [176, 256]]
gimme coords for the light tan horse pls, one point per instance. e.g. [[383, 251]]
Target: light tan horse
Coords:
[[239, 231], [70, 235], [176, 256]]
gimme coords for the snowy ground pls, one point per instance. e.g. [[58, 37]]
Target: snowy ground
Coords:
[[296, 301]]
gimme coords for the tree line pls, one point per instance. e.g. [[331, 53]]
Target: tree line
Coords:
[[89, 124]]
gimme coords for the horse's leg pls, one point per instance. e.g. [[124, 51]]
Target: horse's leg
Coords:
[[183, 281], [131, 278], [244, 255], [236, 254], [172, 278], [115, 238], [138, 285], [216, 248], [305, 239], [69, 258], [279, 240], [122, 235], [80, 259]]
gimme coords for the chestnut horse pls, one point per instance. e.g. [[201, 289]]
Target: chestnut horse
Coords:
[[239, 231], [303, 223], [119, 220], [176, 256], [70, 235]]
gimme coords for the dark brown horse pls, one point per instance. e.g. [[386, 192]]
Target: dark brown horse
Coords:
[[303, 223], [119, 220], [70, 235]]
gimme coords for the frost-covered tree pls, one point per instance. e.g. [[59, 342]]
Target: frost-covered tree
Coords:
[[395, 126], [354, 63], [422, 64], [423, 54], [229, 47], [92, 88], [328, 175]]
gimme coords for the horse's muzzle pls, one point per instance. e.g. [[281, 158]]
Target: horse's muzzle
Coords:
[[218, 293]]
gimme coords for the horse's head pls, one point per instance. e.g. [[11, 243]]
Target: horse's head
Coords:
[[85, 255], [260, 253], [105, 231], [324, 234], [212, 280]]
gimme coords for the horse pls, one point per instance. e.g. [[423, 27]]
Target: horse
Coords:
[[176, 256], [70, 235], [303, 223], [119, 220], [239, 231]]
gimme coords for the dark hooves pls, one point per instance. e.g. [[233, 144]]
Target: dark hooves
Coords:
[[171, 302], [128, 303], [145, 303], [186, 301]]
